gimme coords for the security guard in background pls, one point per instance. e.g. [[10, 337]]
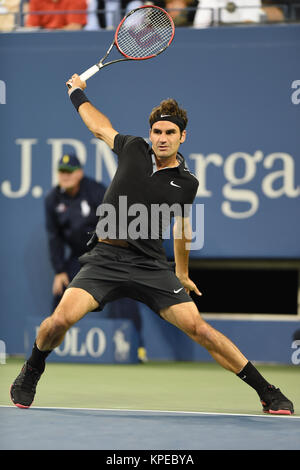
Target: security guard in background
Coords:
[[70, 218]]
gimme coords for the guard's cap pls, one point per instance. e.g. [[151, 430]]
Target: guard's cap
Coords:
[[69, 162]]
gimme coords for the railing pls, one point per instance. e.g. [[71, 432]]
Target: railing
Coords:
[[290, 14]]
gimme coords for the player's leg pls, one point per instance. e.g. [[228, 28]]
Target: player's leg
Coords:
[[187, 318], [74, 304]]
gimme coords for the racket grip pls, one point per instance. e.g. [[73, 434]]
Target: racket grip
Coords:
[[89, 73]]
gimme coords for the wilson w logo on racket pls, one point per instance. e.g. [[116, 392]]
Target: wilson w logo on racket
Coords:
[[146, 37], [143, 33]]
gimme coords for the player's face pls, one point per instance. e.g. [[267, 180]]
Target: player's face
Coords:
[[69, 180], [166, 139]]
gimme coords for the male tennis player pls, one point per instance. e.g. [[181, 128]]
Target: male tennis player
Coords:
[[122, 264]]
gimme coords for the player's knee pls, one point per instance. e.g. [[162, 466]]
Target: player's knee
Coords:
[[60, 320], [203, 334]]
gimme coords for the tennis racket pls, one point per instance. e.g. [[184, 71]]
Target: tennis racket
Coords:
[[143, 33]]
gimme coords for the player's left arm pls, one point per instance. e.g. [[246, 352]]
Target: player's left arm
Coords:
[[182, 236]]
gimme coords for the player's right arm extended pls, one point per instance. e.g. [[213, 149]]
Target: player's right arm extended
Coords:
[[96, 122]]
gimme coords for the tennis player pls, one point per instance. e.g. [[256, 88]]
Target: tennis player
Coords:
[[123, 265]]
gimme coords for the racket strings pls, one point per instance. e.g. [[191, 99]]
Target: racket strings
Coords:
[[145, 33]]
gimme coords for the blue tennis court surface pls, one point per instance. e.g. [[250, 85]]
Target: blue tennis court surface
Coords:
[[96, 429]]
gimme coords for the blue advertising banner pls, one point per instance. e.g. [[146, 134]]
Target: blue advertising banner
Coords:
[[241, 89], [91, 341]]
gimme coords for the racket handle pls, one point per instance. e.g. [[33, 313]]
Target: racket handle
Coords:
[[85, 75], [89, 73]]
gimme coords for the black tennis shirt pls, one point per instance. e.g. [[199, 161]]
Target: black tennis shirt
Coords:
[[130, 208]]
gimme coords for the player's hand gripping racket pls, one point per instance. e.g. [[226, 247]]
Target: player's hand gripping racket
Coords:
[[142, 34]]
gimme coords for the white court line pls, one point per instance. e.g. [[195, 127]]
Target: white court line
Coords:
[[120, 410]]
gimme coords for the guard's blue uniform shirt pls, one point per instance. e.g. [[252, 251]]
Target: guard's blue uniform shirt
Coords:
[[69, 219]]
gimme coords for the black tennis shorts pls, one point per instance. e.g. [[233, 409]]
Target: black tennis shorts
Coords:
[[110, 272]]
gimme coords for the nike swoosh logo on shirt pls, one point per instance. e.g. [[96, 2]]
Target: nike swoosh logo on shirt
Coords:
[[178, 290], [173, 184]]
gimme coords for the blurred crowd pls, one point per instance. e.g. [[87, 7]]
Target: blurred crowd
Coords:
[[106, 14]]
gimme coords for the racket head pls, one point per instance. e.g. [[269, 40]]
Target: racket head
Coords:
[[144, 33]]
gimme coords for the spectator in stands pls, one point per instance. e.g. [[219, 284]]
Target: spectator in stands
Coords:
[[112, 11], [275, 10], [211, 12], [92, 23], [182, 11], [67, 21], [8, 9]]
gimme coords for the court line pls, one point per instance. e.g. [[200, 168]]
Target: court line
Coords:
[[120, 410]]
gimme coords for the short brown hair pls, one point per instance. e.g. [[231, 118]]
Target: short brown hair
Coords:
[[168, 107]]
